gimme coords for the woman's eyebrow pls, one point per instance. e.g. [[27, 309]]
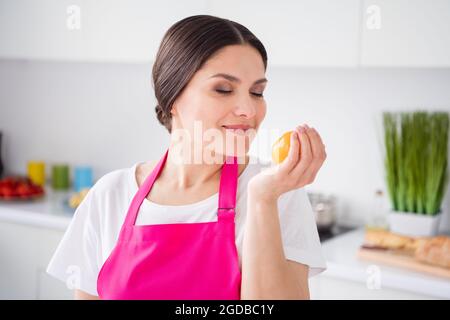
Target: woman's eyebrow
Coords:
[[235, 79]]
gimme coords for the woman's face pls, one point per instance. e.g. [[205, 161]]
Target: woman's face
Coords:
[[224, 93]]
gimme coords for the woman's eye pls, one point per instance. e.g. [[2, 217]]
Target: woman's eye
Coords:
[[223, 91], [253, 93]]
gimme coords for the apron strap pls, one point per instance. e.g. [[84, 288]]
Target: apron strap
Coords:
[[228, 188], [143, 191]]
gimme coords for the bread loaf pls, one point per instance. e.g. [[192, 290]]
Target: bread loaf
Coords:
[[435, 251], [384, 239], [431, 250]]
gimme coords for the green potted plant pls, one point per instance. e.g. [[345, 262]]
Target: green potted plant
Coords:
[[416, 157]]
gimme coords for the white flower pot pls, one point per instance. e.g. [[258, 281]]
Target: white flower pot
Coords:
[[414, 224]]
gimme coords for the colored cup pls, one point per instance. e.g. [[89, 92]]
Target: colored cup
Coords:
[[60, 177], [36, 172], [83, 178]]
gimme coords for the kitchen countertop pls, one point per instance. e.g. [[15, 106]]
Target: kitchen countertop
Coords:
[[340, 251], [49, 211], [343, 263]]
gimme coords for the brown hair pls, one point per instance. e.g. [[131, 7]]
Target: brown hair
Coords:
[[185, 47]]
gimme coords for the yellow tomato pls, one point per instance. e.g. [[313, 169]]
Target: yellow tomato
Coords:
[[280, 148]]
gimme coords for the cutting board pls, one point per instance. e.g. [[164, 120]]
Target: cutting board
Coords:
[[401, 260]]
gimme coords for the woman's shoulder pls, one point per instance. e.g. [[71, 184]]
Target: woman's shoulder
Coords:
[[121, 182], [142, 170], [112, 180]]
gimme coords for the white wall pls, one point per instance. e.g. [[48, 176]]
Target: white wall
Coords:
[[102, 115]]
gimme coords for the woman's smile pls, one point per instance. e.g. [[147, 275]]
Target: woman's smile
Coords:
[[238, 129]]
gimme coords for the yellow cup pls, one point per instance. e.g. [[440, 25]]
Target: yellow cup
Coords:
[[36, 172]]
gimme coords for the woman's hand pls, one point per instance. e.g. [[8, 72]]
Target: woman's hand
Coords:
[[296, 171]]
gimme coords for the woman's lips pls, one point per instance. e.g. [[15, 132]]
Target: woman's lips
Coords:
[[238, 126], [240, 130]]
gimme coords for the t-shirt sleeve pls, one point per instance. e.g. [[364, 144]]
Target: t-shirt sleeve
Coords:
[[300, 237], [76, 259]]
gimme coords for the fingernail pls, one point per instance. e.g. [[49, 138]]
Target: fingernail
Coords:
[[306, 126]]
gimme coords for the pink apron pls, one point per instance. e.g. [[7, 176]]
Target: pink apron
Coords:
[[176, 261]]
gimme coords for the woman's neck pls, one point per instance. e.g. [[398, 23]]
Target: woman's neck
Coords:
[[183, 175]]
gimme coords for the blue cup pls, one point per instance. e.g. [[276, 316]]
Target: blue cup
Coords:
[[83, 178]]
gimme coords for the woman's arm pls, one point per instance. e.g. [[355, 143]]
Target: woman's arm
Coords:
[[81, 295], [266, 274]]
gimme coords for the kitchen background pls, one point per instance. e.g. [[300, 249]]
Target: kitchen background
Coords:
[[75, 88]]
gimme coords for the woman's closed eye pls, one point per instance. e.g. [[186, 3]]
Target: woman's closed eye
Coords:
[[227, 92]]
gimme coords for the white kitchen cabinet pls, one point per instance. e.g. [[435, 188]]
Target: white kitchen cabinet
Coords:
[[100, 30], [406, 33], [305, 33], [299, 33], [25, 252]]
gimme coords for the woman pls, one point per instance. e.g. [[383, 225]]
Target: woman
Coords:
[[160, 230]]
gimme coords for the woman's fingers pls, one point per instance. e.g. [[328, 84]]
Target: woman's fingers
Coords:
[[318, 156], [293, 155], [305, 157], [305, 153], [318, 148]]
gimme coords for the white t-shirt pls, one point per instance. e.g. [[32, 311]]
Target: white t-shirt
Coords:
[[94, 229]]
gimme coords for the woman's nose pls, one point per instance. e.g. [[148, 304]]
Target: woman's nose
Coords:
[[246, 108]]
